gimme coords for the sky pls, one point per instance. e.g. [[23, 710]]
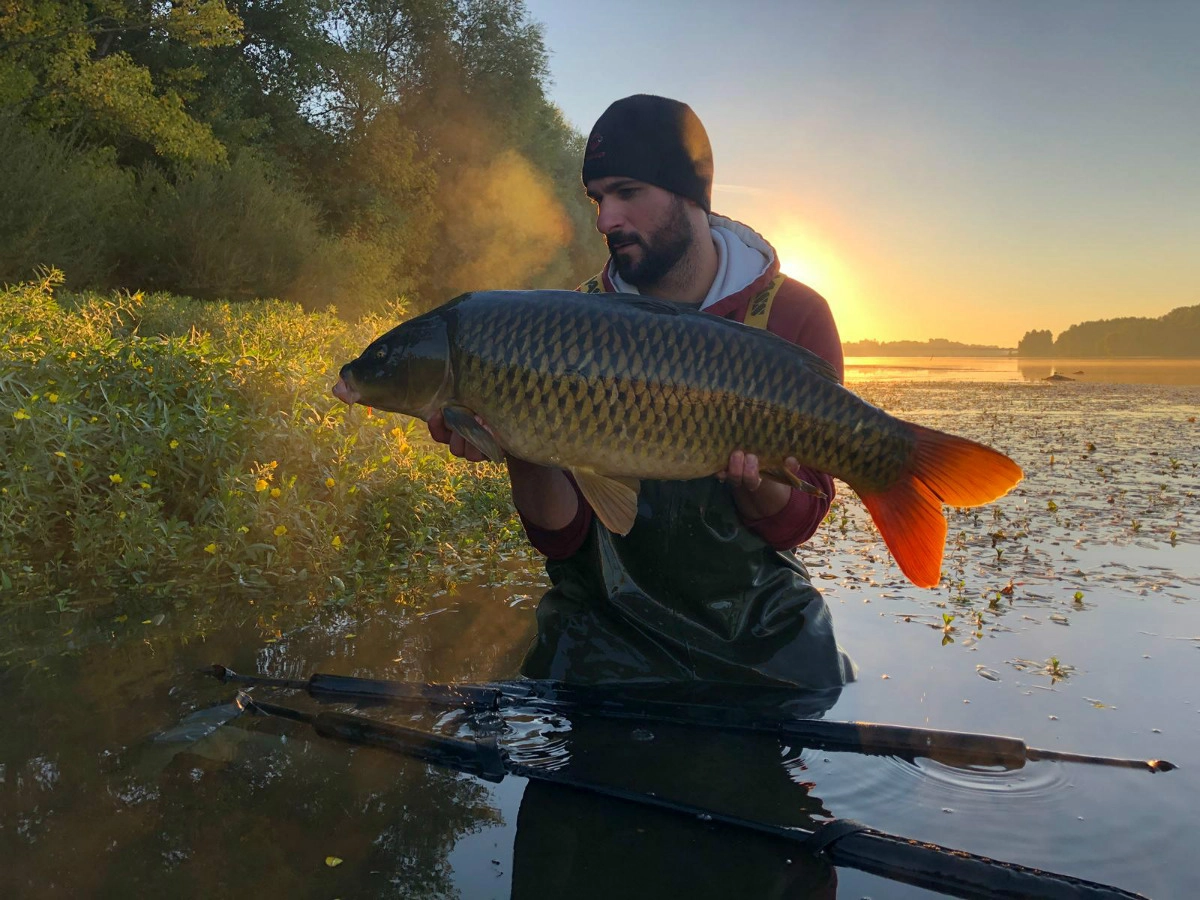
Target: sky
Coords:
[[962, 169]]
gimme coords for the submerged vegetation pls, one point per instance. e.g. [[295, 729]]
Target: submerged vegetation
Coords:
[[161, 442]]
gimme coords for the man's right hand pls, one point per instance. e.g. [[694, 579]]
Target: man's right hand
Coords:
[[544, 495], [459, 445]]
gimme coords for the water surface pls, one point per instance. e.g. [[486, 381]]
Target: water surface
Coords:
[[1075, 624]]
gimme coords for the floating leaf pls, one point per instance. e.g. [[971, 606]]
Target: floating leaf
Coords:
[[333, 861]]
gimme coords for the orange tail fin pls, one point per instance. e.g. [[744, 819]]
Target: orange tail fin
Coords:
[[944, 469]]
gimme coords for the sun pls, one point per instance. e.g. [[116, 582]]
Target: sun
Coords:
[[819, 265]]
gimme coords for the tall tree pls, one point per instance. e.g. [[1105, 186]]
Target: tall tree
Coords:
[[64, 64]]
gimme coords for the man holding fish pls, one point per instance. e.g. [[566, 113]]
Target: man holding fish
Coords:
[[649, 169], [671, 431]]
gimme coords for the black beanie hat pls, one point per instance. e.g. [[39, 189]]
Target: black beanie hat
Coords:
[[655, 140]]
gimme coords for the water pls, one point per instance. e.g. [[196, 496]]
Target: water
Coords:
[[1099, 546], [1011, 368]]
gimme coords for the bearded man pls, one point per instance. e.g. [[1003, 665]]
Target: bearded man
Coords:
[[707, 584]]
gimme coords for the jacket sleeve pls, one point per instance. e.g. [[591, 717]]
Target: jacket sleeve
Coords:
[[561, 543], [802, 316]]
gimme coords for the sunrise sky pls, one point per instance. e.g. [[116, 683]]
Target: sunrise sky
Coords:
[[967, 169]]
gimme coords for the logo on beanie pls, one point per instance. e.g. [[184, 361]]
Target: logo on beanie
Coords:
[[593, 148]]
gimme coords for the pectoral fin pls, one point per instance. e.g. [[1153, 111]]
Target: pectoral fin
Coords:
[[462, 420], [614, 500], [788, 477]]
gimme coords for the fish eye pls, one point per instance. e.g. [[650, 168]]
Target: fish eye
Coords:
[[381, 353]]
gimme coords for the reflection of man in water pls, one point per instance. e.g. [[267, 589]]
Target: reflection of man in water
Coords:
[[572, 844]]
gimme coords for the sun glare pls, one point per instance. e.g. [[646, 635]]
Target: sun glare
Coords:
[[819, 266]]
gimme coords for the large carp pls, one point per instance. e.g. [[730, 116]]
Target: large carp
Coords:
[[615, 388]]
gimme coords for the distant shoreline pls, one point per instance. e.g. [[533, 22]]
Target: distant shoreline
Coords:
[[850, 354]]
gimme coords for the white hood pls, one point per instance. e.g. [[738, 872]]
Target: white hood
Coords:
[[743, 256]]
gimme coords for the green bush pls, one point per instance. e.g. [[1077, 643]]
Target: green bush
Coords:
[[231, 233], [60, 205], [156, 440]]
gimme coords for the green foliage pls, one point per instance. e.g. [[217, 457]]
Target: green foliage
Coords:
[[59, 202], [337, 152], [63, 63], [153, 438], [233, 233]]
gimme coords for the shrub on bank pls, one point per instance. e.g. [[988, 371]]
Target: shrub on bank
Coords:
[[158, 440]]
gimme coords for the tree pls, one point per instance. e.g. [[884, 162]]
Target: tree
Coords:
[[1036, 343], [63, 65]]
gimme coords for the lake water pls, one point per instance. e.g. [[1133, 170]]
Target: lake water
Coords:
[[1011, 368], [1070, 617]]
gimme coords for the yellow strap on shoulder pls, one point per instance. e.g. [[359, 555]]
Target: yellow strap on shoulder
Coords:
[[759, 308], [593, 285]]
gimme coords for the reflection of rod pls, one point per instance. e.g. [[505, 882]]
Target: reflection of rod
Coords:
[[951, 872], [956, 748]]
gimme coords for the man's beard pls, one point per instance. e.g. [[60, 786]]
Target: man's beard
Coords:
[[661, 252]]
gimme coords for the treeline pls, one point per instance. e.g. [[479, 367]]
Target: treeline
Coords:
[[932, 347], [1175, 335], [325, 151]]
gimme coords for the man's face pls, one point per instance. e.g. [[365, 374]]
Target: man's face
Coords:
[[647, 228]]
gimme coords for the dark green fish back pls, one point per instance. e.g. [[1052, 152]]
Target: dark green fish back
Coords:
[[629, 385]]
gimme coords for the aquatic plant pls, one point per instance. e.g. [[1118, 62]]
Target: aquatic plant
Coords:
[[156, 438]]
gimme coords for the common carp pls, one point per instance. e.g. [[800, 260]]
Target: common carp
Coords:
[[616, 388]]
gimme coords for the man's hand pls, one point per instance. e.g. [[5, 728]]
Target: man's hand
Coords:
[[543, 495], [756, 497], [459, 445]]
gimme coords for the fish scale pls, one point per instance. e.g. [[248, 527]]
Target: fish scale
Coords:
[[539, 389], [617, 388]]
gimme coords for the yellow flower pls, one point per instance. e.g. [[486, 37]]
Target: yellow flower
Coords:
[[260, 485], [34, 397], [242, 529], [145, 485], [115, 479], [329, 482], [280, 530], [52, 397], [173, 444], [337, 542], [151, 472], [275, 492], [95, 419], [211, 548], [60, 454], [21, 414]]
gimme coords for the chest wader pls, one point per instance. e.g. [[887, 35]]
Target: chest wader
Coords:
[[690, 593]]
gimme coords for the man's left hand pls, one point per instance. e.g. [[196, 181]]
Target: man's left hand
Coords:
[[756, 497]]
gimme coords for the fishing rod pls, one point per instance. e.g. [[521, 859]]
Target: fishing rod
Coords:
[[846, 843], [955, 748]]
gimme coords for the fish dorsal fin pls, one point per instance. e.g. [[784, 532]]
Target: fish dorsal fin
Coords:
[[614, 500], [819, 365], [651, 304], [462, 420]]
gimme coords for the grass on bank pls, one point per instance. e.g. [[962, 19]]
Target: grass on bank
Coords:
[[154, 442]]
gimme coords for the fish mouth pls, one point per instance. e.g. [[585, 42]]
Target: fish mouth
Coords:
[[344, 392]]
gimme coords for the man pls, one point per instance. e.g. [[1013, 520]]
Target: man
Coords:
[[705, 585]]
